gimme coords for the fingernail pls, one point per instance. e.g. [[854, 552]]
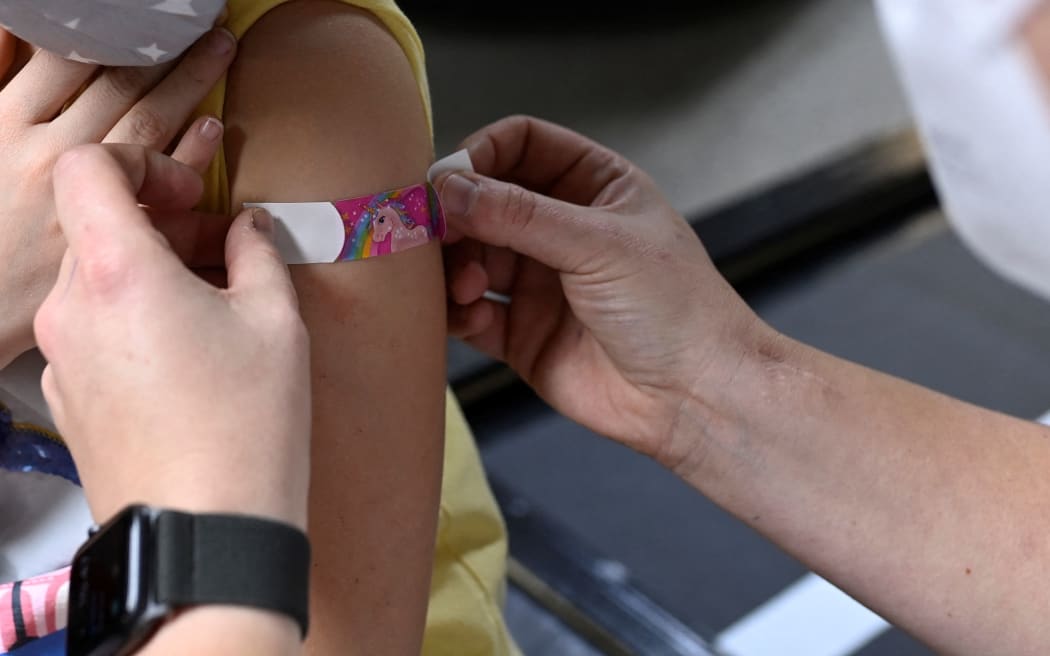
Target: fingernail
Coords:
[[221, 41], [211, 129], [262, 221], [458, 195]]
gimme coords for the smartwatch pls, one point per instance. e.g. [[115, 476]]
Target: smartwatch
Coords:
[[146, 564]]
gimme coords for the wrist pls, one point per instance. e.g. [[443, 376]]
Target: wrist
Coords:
[[716, 390], [203, 492], [225, 630], [151, 577]]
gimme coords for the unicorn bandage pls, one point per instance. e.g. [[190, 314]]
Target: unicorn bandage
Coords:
[[361, 228]]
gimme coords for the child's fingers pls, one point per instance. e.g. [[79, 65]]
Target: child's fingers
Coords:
[[156, 118], [198, 239], [37, 93], [199, 144]]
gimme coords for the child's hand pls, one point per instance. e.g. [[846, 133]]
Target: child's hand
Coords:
[[168, 391], [35, 131]]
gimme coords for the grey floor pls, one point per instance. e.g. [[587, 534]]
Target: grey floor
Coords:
[[538, 632], [716, 109]]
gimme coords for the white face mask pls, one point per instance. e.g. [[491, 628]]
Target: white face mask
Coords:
[[983, 111], [111, 32]]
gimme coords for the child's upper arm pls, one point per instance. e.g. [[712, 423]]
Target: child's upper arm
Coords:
[[321, 105]]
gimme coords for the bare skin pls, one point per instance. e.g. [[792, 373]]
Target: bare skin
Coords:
[[136, 106], [353, 126], [126, 324], [378, 370], [927, 509]]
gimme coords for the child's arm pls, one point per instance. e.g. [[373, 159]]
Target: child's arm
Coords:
[[322, 104]]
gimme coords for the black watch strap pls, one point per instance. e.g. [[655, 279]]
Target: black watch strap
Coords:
[[233, 560]]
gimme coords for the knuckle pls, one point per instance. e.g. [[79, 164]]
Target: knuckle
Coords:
[[68, 162], [198, 69], [518, 208], [126, 83], [147, 126], [288, 323], [104, 270], [611, 166], [518, 122], [41, 169], [45, 325]]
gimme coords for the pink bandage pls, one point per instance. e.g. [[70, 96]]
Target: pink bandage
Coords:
[[361, 228]]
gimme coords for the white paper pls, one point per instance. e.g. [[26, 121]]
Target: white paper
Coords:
[[457, 161]]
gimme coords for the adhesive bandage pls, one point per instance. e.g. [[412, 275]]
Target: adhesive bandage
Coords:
[[361, 228]]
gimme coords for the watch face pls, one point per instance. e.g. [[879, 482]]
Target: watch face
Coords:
[[109, 586]]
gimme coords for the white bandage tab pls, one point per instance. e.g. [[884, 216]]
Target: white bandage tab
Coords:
[[981, 106], [327, 232], [457, 161]]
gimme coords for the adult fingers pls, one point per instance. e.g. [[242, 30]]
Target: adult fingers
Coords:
[[482, 325], [466, 278], [560, 235], [97, 194], [49, 324], [547, 158], [156, 119], [197, 238], [42, 88], [199, 144], [254, 267], [158, 180], [471, 269]]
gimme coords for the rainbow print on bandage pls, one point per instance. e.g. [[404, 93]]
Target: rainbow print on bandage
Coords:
[[366, 227], [390, 222], [357, 228]]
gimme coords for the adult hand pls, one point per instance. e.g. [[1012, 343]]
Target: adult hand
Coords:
[[616, 313], [170, 391], [45, 109]]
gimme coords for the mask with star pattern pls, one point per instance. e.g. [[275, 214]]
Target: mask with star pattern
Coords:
[[111, 32]]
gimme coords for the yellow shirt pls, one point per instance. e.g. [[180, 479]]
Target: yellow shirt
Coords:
[[465, 613]]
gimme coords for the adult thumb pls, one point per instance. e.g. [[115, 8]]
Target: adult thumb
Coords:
[[253, 265], [558, 234]]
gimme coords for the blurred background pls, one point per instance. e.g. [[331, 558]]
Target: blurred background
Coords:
[[778, 128]]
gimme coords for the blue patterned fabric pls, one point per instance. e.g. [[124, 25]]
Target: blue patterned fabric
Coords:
[[26, 449], [50, 645]]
